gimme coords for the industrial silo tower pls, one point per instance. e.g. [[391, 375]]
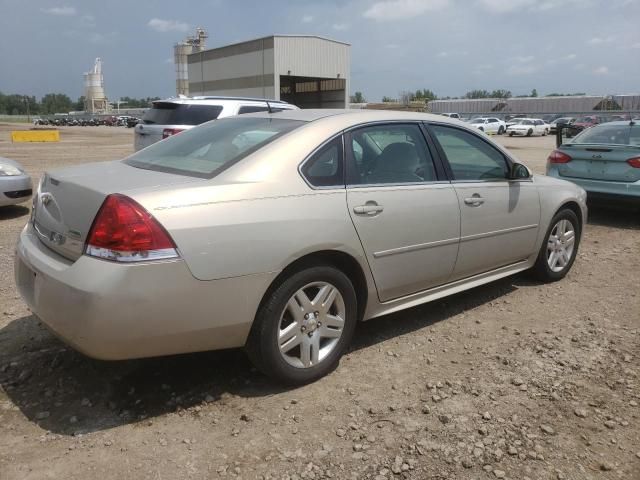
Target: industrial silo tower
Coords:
[[180, 51], [95, 100]]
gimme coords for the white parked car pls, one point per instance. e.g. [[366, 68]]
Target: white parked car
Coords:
[[489, 125], [528, 127], [174, 115], [15, 183]]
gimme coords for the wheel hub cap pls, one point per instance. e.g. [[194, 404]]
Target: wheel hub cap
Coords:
[[311, 324], [560, 245]]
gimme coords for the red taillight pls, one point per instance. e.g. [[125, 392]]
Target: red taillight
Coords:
[[558, 157], [124, 231], [634, 162], [168, 132]]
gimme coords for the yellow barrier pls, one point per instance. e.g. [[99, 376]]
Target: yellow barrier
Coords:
[[35, 136]]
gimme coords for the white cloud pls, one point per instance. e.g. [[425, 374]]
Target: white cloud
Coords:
[[522, 69], [600, 40], [390, 10], [601, 71], [571, 56], [636, 45], [341, 27], [500, 6], [443, 54], [307, 19], [524, 59], [60, 11], [160, 25]]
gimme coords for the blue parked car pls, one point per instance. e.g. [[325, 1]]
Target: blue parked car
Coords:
[[604, 160]]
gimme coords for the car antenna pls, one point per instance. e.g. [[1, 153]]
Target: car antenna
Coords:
[[269, 109]]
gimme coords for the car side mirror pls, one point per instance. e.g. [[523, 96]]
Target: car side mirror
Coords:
[[519, 172]]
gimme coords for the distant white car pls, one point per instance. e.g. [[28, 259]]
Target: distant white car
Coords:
[[528, 127], [451, 115], [489, 124], [174, 115], [15, 184]]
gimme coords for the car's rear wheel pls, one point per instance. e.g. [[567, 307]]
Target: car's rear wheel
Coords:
[[501, 130], [530, 132], [305, 326], [559, 250]]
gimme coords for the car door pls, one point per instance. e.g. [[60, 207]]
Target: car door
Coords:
[[405, 212], [492, 125], [499, 217]]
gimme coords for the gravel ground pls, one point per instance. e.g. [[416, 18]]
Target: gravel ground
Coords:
[[511, 380]]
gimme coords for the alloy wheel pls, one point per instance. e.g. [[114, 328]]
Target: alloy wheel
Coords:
[[560, 245], [311, 324]]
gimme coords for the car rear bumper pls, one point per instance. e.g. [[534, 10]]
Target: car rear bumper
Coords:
[[15, 190], [112, 311], [602, 188]]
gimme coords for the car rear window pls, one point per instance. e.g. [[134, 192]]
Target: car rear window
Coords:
[[207, 150], [168, 113], [611, 135]]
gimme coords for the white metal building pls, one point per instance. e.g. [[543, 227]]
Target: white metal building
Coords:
[[308, 71]]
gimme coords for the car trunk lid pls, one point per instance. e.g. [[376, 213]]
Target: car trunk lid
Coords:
[[69, 199], [600, 162]]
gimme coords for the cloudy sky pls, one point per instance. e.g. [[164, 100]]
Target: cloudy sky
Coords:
[[448, 46]]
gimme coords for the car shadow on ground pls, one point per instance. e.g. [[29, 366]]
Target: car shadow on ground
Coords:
[[615, 216], [67, 393], [13, 211]]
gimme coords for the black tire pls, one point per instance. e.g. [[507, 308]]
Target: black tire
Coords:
[[541, 269], [511, 134], [500, 130], [262, 346], [481, 129], [530, 132]]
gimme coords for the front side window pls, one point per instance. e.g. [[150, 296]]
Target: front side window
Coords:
[[206, 150], [325, 167], [389, 154], [470, 157]]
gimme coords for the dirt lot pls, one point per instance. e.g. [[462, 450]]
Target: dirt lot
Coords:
[[511, 380]]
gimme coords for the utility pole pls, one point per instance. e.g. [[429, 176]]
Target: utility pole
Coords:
[[26, 100]]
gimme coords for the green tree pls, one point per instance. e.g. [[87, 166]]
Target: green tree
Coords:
[[534, 93], [474, 94], [358, 97], [56, 103], [501, 93], [387, 100], [425, 94]]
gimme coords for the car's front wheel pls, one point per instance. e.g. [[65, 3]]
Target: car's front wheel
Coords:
[[305, 326], [559, 250], [500, 130]]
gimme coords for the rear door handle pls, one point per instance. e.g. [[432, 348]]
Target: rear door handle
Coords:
[[368, 209], [474, 201]]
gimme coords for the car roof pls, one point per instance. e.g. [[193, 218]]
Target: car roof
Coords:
[[214, 99], [356, 115]]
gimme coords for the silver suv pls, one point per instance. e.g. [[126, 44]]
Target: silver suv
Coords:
[[171, 116]]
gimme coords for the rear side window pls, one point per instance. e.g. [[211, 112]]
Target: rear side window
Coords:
[[389, 154], [325, 168], [252, 109], [168, 113], [209, 149]]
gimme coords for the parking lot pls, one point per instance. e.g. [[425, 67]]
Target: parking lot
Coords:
[[515, 379]]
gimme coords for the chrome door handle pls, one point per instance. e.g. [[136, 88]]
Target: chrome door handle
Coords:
[[369, 209], [474, 201]]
